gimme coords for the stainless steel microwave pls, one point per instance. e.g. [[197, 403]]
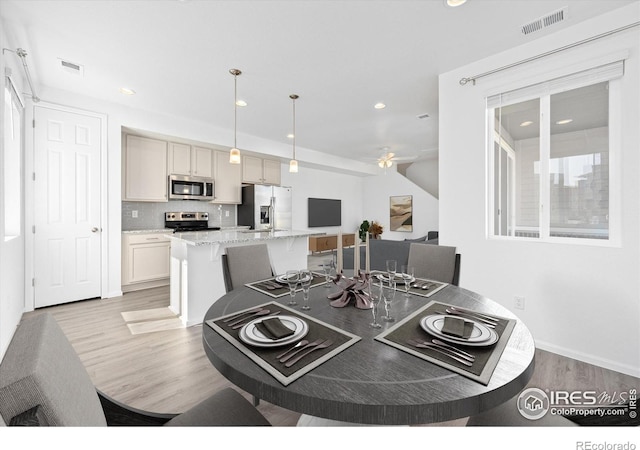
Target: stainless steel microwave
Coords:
[[182, 187]]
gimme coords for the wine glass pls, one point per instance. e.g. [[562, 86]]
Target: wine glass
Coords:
[[389, 294], [292, 280], [407, 277], [375, 296], [326, 268], [391, 270], [305, 282]]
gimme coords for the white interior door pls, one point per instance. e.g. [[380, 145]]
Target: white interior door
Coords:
[[67, 240]]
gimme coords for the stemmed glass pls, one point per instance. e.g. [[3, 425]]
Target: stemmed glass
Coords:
[[407, 276], [305, 282], [391, 270], [326, 268], [374, 296], [292, 280], [389, 294]]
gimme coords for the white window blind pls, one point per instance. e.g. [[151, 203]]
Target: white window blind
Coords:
[[583, 78]]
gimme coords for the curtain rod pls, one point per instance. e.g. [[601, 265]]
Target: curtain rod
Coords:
[[23, 54], [473, 79]]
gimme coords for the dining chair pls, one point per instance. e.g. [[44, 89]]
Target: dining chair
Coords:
[[43, 382], [247, 263], [435, 262]]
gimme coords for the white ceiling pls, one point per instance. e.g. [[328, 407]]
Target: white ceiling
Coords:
[[340, 57]]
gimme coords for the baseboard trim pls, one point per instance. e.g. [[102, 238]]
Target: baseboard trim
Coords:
[[601, 362]]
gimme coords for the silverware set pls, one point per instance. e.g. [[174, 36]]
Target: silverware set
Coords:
[[488, 321], [270, 285], [452, 352], [424, 285], [302, 349], [240, 320]]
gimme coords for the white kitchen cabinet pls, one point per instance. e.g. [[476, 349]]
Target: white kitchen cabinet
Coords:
[[260, 171], [190, 160], [228, 179], [145, 260], [145, 169]]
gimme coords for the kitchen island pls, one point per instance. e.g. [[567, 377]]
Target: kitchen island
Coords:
[[197, 279]]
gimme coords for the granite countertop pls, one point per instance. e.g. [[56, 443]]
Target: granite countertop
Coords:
[[169, 230], [235, 235]]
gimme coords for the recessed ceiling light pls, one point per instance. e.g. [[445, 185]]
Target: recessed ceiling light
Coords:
[[526, 123], [290, 136], [127, 91], [379, 105], [564, 121], [241, 103], [454, 3]]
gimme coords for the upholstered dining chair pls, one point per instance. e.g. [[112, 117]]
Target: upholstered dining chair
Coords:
[[245, 264], [435, 262], [44, 383]]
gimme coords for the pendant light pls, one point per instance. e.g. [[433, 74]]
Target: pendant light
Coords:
[[234, 156], [293, 164]]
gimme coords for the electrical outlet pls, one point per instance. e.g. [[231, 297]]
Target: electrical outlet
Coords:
[[134, 214], [226, 213], [518, 302]]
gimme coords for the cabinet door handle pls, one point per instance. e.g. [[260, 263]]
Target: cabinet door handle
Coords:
[[152, 239]]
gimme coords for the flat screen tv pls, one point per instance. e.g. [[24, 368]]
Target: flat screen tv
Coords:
[[325, 212]]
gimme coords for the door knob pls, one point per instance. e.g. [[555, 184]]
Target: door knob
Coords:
[[94, 229]]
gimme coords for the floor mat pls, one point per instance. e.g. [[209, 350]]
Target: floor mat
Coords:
[[151, 320]]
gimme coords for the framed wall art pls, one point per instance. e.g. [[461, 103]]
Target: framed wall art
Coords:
[[401, 213]]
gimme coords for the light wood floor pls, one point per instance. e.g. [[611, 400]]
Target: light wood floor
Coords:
[[168, 371]]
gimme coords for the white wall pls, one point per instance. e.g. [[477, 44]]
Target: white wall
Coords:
[[582, 301], [12, 251], [313, 182], [376, 192], [426, 174]]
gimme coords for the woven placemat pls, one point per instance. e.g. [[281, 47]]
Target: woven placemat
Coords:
[[265, 286], [266, 357], [486, 358]]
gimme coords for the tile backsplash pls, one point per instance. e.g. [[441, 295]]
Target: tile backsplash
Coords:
[[151, 214]]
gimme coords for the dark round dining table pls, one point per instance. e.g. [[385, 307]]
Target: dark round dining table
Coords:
[[371, 382]]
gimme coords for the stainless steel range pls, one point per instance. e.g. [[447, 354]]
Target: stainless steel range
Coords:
[[187, 221]]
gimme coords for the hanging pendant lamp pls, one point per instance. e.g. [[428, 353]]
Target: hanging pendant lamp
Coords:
[[234, 155], [293, 164]]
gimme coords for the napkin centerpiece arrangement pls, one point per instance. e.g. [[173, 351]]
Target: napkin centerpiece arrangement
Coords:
[[351, 290]]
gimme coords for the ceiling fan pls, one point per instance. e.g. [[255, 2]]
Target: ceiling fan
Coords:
[[386, 160]]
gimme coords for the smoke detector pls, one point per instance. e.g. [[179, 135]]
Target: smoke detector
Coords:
[[546, 21], [71, 67]]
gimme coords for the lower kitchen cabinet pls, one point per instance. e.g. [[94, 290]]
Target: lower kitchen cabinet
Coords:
[[145, 260]]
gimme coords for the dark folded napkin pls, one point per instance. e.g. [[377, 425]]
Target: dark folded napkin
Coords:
[[458, 327], [273, 328]]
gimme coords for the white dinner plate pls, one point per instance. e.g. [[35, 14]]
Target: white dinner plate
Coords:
[[249, 334], [399, 277], [481, 336], [283, 279]]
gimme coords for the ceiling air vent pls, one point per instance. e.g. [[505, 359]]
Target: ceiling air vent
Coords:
[[546, 21], [70, 67]]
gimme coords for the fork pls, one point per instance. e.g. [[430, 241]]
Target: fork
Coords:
[[441, 350]]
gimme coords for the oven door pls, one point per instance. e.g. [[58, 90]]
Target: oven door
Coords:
[[182, 187]]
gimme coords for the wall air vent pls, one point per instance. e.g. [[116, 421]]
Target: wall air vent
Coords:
[[70, 67], [546, 21]]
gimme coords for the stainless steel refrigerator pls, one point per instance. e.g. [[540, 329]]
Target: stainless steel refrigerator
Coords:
[[265, 207]]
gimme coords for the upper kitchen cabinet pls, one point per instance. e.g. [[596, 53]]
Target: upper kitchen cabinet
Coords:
[[190, 160], [228, 180], [145, 169], [260, 171]]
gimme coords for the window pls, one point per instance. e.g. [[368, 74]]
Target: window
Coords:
[[549, 158], [12, 176]]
